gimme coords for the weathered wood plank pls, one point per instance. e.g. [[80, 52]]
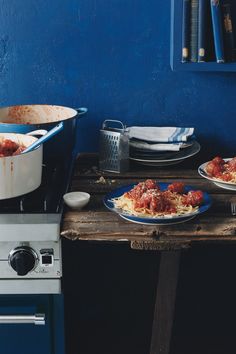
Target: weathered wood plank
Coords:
[[103, 217], [165, 302], [105, 225], [93, 186], [146, 173], [87, 165], [153, 245]]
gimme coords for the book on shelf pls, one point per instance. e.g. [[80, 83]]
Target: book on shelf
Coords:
[[194, 31], [202, 30], [228, 33], [217, 30], [197, 36], [186, 30], [208, 32]]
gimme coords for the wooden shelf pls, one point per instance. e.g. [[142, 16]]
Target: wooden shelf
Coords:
[[176, 44]]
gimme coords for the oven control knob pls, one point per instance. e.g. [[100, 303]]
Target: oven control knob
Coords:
[[23, 259]]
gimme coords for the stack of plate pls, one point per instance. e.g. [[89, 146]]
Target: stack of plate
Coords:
[[165, 152]]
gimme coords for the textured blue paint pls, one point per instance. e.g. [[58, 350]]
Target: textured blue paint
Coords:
[[113, 57]]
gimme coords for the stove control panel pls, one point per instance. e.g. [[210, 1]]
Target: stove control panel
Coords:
[[23, 259], [36, 259], [46, 257]]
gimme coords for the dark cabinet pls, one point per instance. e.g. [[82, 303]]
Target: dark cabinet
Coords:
[[31, 324]]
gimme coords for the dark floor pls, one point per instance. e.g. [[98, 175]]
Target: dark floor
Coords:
[[205, 316], [109, 296]]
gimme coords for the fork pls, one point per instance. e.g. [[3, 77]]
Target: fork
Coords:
[[233, 208]]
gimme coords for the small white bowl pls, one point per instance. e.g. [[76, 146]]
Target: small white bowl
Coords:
[[76, 200]]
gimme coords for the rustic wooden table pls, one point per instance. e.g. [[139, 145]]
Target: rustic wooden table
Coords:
[[96, 223]]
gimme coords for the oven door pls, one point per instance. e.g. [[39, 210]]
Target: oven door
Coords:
[[31, 324]]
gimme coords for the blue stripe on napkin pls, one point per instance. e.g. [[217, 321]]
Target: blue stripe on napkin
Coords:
[[160, 134]]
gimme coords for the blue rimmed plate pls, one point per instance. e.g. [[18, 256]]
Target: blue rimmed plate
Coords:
[[162, 220]]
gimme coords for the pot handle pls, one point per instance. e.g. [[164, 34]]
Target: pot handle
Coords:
[[81, 110], [38, 132], [44, 138]]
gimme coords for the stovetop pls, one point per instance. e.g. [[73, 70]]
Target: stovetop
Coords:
[[37, 215], [48, 197]]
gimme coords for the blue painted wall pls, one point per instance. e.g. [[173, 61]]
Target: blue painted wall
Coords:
[[111, 56]]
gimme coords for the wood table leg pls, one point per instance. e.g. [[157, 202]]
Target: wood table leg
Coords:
[[165, 302]]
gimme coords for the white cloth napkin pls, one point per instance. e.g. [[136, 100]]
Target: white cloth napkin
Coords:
[[158, 147], [160, 134]]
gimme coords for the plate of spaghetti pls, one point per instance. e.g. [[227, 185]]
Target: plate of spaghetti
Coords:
[[221, 171], [152, 203]]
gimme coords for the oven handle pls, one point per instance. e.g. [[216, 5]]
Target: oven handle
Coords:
[[36, 319]]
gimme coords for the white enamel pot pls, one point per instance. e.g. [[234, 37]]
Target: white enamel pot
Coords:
[[21, 174], [25, 118]]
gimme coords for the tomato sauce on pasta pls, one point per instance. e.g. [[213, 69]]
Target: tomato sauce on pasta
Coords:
[[222, 170], [147, 200]]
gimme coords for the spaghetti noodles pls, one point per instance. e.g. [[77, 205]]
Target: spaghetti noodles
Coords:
[[147, 200], [222, 170]]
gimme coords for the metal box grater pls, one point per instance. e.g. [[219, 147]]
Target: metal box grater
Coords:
[[113, 147]]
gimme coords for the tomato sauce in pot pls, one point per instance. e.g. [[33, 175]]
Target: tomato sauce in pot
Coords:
[[10, 148]]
